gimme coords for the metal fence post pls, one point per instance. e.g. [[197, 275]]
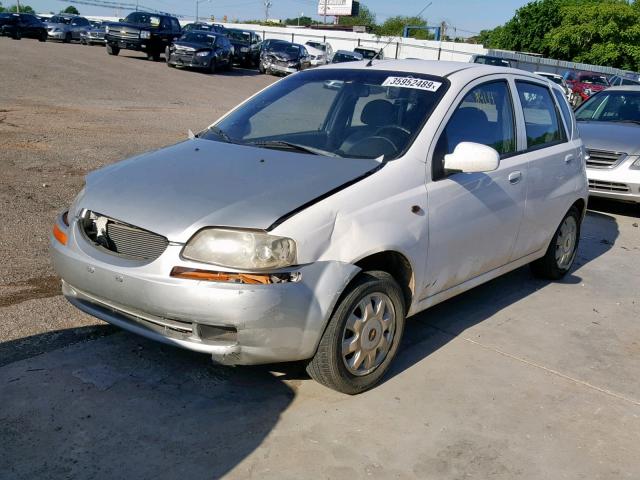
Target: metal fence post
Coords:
[[397, 49]]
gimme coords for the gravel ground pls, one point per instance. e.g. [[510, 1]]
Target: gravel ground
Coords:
[[66, 110]]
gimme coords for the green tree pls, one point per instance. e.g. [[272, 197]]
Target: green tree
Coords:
[[603, 33], [23, 9], [394, 26], [71, 10], [304, 20], [365, 18], [1, 8]]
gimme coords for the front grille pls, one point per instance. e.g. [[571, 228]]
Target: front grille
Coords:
[[184, 51], [608, 186], [124, 34], [603, 159], [121, 239]]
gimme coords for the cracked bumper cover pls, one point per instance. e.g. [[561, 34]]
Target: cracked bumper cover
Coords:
[[274, 323]]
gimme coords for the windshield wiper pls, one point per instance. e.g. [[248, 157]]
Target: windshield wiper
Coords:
[[222, 134], [293, 146]]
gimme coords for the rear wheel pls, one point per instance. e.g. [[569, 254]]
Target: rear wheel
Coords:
[[112, 49], [67, 38], [42, 37], [562, 250], [17, 35], [155, 56], [362, 336]]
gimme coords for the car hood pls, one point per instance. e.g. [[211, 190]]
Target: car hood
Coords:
[[177, 190], [192, 45], [284, 56], [611, 136]]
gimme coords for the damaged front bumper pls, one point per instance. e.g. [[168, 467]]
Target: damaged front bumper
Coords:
[[237, 324]]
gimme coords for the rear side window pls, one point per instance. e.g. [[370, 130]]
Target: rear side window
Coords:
[[566, 111], [484, 116], [541, 117]]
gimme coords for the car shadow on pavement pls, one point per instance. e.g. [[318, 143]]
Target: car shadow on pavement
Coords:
[[125, 407], [429, 330]]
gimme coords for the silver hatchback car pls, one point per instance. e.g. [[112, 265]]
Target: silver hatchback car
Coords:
[[310, 222]]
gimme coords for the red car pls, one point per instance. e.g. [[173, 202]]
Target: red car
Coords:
[[583, 85]]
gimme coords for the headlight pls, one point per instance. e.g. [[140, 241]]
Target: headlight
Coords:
[[244, 49], [244, 250], [145, 34], [636, 165], [588, 91], [206, 53]]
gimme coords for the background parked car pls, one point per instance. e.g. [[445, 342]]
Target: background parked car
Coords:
[[489, 60], [201, 26], [67, 27], [609, 124], [266, 48], [324, 46], [557, 79], [143, 32], [316, 57], [342, 56], [246, 46], [201, 49], [95, 35], [583, 85], [617, 81], [285, 58], [18, 25], [369, 53]]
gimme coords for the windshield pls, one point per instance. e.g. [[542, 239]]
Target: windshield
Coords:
[[198, 37], [57, 19], [239, 35], [141, 18], [340, 113], [611, 106], [343, 57], [593, 79], [319, 46], [285, 48], [366, 53]]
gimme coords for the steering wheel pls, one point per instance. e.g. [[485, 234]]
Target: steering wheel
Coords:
[[395, 133]]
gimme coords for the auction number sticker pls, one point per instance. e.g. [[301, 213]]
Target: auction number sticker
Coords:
[[409, 82]]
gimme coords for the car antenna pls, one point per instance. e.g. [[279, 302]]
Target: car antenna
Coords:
[[380, 52]]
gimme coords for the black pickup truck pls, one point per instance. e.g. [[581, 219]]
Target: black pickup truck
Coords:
[[150, 33]]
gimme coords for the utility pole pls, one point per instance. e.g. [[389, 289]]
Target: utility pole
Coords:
[[137, 4], [443, 30], [267, 6], [325, 12], [18, 5]]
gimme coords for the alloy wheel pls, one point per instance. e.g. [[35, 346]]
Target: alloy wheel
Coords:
[[566, 242]]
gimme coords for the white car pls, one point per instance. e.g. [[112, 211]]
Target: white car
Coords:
[[316, 57], [322, 46], [557, 79], [309, 222]]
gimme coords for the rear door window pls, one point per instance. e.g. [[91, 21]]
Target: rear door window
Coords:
[[566, 111], [542, 120]]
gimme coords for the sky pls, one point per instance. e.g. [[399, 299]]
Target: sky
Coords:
[[467, 16]]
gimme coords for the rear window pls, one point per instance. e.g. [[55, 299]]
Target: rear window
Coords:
[[566, 111]]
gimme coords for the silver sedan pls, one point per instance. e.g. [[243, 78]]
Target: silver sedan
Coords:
[[609, 123]]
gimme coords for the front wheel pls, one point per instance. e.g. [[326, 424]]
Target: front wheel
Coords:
[[562, 250], [213, 66], [17, 35], [155, 56], [112, 50], [67, 38], [362, 336], [43, 37]]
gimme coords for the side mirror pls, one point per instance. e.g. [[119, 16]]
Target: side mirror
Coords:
[[469, 157]]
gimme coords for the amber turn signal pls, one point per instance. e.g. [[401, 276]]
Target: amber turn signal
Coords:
[[59, 235], [210, 276]]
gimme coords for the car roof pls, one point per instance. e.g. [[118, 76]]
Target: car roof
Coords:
[[624, 88], [464, 70]]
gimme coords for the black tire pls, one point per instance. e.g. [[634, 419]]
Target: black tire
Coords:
[[155, 56], [170, 65], [67, 38], [261, 68], [112, 50], [229, 66], [43, 37], [17, 35], [213, 66], [548, 267], [328, 366]]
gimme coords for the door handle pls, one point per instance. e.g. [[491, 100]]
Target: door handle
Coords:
[[515, 177], [569, 158]]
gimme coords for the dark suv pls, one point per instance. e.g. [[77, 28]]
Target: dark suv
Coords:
[[150, 33], [246, 45], [18, 25]]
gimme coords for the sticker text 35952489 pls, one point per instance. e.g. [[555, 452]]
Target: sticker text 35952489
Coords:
[[409, 82]]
